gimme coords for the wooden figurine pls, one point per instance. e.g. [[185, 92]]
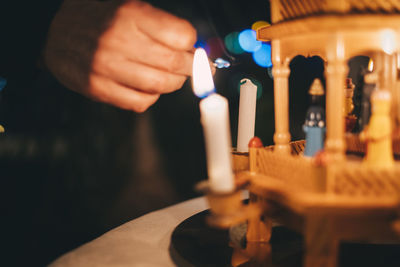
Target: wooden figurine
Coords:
[[370, 80], [378, 134], [314, 126], [349, 93], [350, 119]]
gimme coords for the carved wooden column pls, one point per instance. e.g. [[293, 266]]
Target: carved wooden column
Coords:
[[335, 73], [281, 73], [259, 229], [396, 95], [386, 66]]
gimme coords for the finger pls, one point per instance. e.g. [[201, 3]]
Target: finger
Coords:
[[149, 52], [108, 91], [167, 29], [136, 75]]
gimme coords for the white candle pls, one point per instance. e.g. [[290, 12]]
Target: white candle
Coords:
[[247, 114], [215, 120]]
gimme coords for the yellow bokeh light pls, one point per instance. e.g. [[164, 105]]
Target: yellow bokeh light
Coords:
[[256, 25]]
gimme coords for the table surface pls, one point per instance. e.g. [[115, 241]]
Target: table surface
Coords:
[[144, 241]]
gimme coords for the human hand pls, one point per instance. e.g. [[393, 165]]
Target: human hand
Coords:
[[125, 53]]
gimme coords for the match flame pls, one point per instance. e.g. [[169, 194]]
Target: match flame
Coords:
[[202, 80]]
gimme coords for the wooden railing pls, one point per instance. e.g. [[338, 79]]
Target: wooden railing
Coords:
[[295, 170], [356, 180], [282, 10]]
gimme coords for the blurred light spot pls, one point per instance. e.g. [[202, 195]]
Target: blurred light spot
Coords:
[[216, 46], [388, 41], [221, 63], [248, 41], [262, 56], [371, 65], [3, 83], [232, 43], [258, 24]]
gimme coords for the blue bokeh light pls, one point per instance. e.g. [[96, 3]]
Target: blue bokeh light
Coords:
[[262, 56], [3, 83], [248, 41]]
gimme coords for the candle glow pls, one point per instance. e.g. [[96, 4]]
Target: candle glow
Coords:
[[203, 84], [370, 65]]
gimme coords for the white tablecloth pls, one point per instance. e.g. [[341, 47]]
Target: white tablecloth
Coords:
[[144, 241]]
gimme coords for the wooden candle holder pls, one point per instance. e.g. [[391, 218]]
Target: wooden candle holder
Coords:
[[227, 209], [334, 196]]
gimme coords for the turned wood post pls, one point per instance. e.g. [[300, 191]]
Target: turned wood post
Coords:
[[276, 14], [281, 73], [386, 67], [335, 72], [258, 229], [396, 90]]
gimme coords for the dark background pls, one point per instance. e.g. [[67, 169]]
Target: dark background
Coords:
[[71, 168]]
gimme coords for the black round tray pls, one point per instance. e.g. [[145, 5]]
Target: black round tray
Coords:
[[194, 243]]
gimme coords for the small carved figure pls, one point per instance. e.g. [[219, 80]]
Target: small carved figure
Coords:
[[370, 80], [378, 133], [349, 92], [314, 126], [350, 119]]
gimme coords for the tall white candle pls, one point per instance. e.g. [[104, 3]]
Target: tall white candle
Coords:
[[215, 120], [247, 114]]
